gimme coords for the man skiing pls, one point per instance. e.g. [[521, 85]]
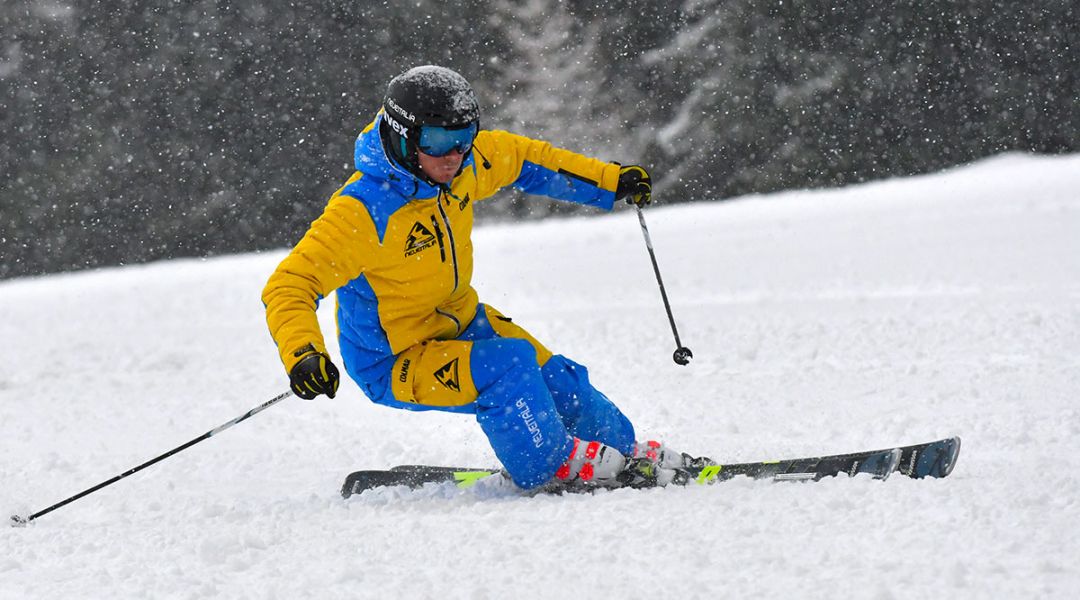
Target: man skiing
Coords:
[[394, 242]]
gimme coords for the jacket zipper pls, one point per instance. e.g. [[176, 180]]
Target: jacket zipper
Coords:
[[449, 234], [457, 323], [453, 254], [439, 237]]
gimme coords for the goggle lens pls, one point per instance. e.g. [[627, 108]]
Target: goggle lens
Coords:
[[440, 141]]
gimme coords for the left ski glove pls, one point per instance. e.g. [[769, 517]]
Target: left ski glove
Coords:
[[635, 185], [315, 374]]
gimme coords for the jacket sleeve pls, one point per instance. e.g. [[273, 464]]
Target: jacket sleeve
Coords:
[[537, 167], [329, 256]]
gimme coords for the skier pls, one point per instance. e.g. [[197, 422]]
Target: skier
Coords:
[[394, 242]]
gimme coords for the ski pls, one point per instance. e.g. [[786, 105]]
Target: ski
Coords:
[[930, 459]]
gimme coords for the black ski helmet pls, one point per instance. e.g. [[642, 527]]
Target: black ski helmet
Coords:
[[427, 95]]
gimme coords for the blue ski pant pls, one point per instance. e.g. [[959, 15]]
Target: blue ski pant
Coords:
[[529, 402]]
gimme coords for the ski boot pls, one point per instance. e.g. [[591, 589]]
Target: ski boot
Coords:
[[594, 465], [667, 458], [590, 464], [655, 465]]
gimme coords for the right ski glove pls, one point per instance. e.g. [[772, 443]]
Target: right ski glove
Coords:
[[635, 185], [314, 375]]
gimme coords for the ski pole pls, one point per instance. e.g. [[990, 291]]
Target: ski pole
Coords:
[[682, 354], [20, 521]]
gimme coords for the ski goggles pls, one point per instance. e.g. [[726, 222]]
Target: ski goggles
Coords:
[[440, 141]]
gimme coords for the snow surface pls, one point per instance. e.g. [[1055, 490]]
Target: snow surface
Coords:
[[825, 321]]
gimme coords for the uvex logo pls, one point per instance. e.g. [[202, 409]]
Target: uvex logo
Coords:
[[398, 127]]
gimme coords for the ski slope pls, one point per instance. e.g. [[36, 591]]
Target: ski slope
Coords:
[[824, 321]]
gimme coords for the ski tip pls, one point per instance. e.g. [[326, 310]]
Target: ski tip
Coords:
[[951, 453], [353, 484], [935, 459]]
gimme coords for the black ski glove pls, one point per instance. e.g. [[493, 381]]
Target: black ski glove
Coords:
[[635, 185], [314, 375]]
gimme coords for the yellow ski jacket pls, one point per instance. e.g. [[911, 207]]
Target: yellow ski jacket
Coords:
[[398, 250]]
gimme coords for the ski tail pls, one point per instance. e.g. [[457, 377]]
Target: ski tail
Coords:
[[413, 476]]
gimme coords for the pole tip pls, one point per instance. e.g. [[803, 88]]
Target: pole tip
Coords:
[[682, 356], [17, 521]]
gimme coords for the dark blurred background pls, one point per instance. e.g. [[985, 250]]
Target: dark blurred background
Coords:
[[138, 130]]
